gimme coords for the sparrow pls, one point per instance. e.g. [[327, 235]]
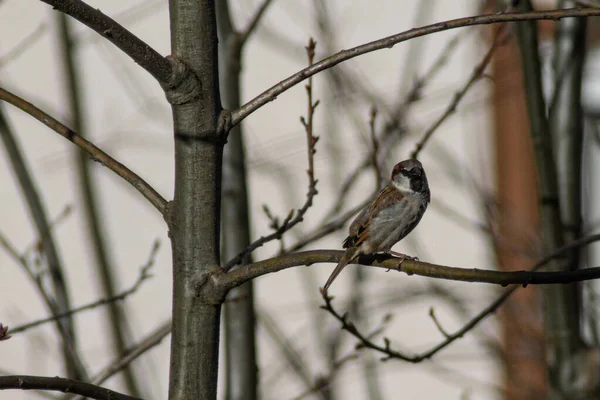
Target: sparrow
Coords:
[[389, 217]]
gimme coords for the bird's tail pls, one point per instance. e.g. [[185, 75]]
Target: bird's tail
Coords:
[[348, 256]]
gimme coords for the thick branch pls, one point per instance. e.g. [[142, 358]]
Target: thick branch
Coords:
[[388, 42], [148, 58], [95, 153], [25, 382]]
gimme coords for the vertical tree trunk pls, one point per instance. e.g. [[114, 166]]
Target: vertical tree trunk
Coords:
[[194, 212]]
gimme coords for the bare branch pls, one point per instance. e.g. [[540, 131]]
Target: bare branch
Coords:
[[27, 382], [388, 42], [95, 153], [157, 65]]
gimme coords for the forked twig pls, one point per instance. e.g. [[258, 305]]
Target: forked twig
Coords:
[[390, 353]]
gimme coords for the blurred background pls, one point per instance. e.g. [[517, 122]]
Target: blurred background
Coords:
[[479, 161]]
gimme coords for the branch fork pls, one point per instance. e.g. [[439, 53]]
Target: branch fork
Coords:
[[183, 86]]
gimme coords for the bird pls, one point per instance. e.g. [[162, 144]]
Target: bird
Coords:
[[392, 214]]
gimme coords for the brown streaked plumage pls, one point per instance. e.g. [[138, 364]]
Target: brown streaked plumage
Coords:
[[392, 215]]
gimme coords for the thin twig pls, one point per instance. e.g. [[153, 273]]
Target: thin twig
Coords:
[[311, 140], [388, 42], [437, 323], [95, 153], [375, 148], [275, 224], [144, 275], [476, 75]]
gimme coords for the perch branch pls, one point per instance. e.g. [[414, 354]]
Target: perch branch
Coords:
[[413, 267]]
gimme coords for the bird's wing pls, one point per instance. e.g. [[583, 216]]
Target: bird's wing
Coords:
[[359, 228]]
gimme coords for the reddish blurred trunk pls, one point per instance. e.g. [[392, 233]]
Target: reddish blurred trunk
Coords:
[[517, 229]]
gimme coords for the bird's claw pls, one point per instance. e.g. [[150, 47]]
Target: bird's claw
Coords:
[[402, 258]]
